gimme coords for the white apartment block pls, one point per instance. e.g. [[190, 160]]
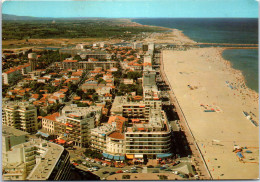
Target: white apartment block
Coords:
[[10, 138], [37, 160], [20, 115], [99, 135]]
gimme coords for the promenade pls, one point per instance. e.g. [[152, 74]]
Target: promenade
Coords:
[[199, 79], [197, 155]]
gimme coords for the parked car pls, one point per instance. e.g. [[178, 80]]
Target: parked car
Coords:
[[120, 171], [134, 171], [105, 172], [125, 171], [150, 166], [175, 172], [111, 173], [93, 161], [75, 164], [168, 169], [155, 171], [104, 164], [162, 168], [133, 168]]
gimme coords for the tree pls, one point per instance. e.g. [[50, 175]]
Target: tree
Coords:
[[95, 97], [134, 75]]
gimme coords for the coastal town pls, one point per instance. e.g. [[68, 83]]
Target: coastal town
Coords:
[[105, 107], [154, 106]]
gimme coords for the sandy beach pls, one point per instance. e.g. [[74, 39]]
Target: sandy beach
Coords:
[[202, 80], [173, 36]]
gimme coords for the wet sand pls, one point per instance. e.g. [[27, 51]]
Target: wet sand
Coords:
[[202, 80]]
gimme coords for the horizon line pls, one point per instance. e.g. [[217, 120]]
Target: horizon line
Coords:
[[118, 17]]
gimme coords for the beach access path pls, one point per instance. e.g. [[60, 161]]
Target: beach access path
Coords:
[[201, 80]]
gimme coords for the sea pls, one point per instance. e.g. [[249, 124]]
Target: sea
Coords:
[[220, 30]]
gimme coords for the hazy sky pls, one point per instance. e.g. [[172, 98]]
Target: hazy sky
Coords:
[[133, 8]]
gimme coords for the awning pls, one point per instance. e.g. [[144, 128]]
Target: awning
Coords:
[[122, 158], [117, 158], [140, 129], [135, 120], [61, 141], [164, 155], [105, 155], [110, 156], [129, 156], [140, 156], [43, 134]]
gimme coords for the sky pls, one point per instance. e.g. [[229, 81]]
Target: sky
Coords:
[[133, 8]]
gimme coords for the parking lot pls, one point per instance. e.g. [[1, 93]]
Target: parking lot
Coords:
[[182, 168]]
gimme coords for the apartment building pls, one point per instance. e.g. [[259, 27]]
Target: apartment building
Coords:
[[15, 73], [10, 138], [48, 122], [148, 140], [20, 115], [115, 144], [99, 135], [37, 160], [137, 111]]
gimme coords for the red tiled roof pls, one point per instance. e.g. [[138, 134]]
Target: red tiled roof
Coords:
[[53, 116], [116, 135], [70, 61]]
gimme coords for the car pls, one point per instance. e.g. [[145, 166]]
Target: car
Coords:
[[94, 169], [104, 164], [155, 171], [120, 171], [84, 162], [105, 172], [175, 172], [75, 164], [168, 169], [150, 166], [90, 169], [125, 171], [87, 159], [99, 162], [134, 171], [133, 168], [162, 168], [111, 173], [93, 161]]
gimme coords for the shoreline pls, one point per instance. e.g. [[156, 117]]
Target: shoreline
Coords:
[[239, 72], [197, 67], [192, 42]]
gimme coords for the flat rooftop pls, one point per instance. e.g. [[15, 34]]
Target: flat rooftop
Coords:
[[9, 131], [49, 158]]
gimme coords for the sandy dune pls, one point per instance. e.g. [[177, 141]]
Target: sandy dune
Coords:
[[216, 132]]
